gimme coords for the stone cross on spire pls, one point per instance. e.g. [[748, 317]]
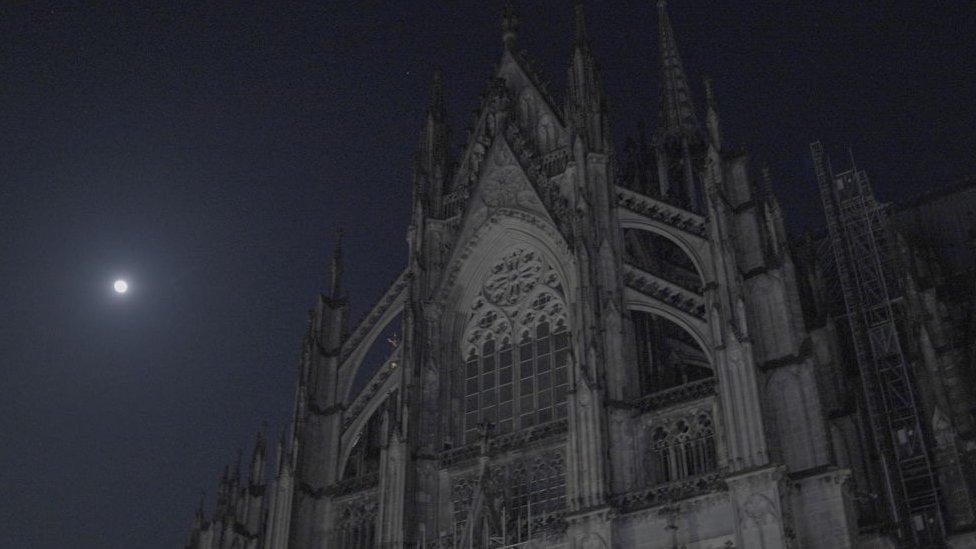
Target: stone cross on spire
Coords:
[[677, 109]]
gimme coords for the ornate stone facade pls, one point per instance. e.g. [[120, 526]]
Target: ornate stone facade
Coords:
[[593, 353]]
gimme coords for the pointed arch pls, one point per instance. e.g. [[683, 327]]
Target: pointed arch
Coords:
[[507, 324]]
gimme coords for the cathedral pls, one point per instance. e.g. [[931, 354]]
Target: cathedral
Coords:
[[599, 351]]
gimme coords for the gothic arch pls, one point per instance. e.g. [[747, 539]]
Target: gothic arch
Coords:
[[506, 309]]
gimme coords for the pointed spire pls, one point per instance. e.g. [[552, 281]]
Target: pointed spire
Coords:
[[256, 476], [711, 116], [430, 162], [434, 137], [336, 267], [435, 107], [584, 102], [677, 109], [510, 25]]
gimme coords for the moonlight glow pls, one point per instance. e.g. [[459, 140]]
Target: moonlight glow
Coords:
[[120, 286]]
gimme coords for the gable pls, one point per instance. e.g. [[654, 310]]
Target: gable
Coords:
[[504, 198]]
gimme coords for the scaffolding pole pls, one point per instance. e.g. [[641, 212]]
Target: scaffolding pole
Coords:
[[855, 226]]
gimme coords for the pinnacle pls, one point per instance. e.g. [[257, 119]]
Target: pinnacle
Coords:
[[677, 110]]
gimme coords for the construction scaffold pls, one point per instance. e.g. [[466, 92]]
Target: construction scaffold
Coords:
[[858, 237]]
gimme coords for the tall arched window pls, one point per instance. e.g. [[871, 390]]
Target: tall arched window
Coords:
[[516, 348]]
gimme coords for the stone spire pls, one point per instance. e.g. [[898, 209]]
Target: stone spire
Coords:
[[585, 103], [677, 109], [431, 161], [711, 117], [510, 24], [434, 138], [435, 107], [256, 474]]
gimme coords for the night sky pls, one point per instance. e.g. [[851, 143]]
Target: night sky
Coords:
[[208, 153]]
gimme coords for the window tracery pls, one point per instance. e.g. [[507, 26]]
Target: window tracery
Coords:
[[516, 347], [680, 448]]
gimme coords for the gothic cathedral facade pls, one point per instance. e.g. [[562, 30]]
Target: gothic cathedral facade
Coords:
[[586, 360]]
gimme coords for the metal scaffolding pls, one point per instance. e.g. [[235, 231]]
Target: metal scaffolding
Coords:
[[857, 235]]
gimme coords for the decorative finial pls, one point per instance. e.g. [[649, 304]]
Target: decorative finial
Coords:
[[510, 25]]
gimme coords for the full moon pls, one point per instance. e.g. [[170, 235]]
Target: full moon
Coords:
[[120, 286]]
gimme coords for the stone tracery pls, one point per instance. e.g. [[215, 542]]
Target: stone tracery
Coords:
[[515, 347]]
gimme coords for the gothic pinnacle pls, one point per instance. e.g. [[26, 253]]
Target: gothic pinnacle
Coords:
[[677, 109], [711, 116]]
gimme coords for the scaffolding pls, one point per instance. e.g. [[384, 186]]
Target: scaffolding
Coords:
[[857, 236]]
